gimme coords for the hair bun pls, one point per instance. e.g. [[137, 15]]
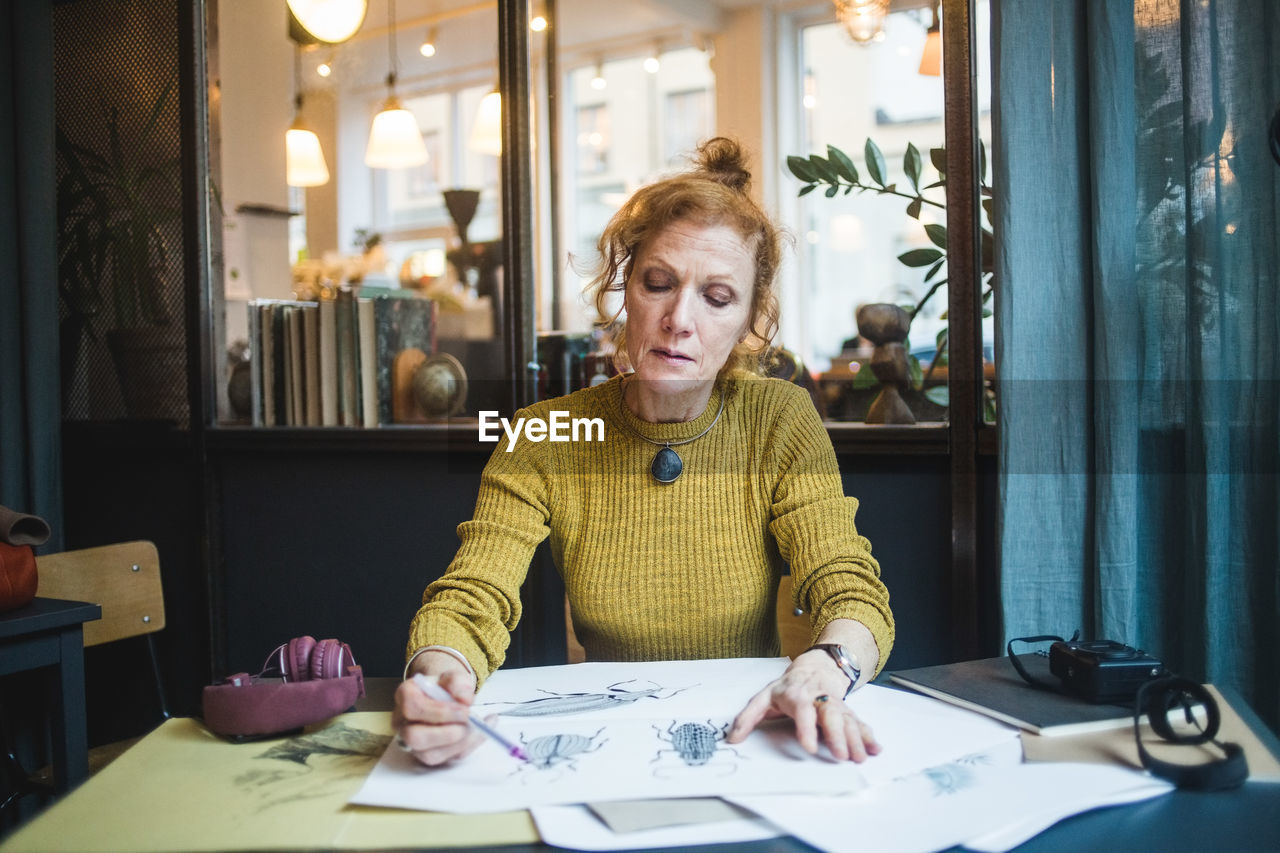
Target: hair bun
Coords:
[[724, 161]]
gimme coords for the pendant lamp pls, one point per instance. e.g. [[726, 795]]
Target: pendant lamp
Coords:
[[863, 19], [486, 133], [395, 140], [328, 21], [931, 56], [304, 159]]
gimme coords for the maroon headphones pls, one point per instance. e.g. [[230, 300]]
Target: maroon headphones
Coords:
[[302, 681]]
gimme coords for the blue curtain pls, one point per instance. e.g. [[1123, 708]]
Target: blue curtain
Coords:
[[30, 407], [1138, 233]]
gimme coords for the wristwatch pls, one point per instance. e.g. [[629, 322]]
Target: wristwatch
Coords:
[[845, 659]]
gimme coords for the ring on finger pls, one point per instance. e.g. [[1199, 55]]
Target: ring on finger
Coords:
[[403, 744], [821, 699]]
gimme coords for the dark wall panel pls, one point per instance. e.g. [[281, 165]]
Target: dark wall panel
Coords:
[[341, 544], [904, 511]]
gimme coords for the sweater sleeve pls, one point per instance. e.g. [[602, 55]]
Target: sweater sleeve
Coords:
[[833, 573], [475, 605]]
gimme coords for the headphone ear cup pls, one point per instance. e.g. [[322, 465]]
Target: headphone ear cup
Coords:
[[324, 659], [297, 658], [331, 659]]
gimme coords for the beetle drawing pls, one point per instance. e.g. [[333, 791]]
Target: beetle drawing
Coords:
[[576, 703], [547, 752], [696, 744]]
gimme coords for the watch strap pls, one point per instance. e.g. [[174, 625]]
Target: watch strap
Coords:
[[846, 660]]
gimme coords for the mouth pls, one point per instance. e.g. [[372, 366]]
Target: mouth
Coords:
[[671, 355]]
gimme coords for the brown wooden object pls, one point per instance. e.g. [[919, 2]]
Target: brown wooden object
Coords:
[[123, 578]]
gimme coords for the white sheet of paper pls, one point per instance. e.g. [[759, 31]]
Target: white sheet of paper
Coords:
[[1113, 787], [988, 802], [576, 828], [666, 743]]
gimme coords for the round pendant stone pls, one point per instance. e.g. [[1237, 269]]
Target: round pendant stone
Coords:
[[666, 466]]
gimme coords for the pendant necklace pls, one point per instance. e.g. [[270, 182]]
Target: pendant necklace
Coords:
[[667, 466]]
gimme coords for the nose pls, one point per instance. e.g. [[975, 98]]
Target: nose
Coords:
[[679, 315]]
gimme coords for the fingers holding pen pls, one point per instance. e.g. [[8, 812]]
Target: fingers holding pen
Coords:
[[433, 730]]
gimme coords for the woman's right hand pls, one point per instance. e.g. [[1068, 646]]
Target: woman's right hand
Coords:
[[436, 732]]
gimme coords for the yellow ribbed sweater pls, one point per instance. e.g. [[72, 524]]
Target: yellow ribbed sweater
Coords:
[[663, 572]]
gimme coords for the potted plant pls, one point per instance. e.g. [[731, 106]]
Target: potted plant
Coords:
[[114, 209], [837, 173]]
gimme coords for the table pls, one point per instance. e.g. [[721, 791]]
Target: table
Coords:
[[181, 788], [49, 632]]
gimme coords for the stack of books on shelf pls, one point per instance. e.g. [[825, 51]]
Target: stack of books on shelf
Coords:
[[329, 363]]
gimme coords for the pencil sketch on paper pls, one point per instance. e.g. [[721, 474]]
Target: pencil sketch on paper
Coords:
[[289, 772], [613, 696], [335, 739], [695, 744], [558, 751]]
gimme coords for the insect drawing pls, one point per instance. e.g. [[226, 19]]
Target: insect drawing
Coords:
[[950, 778], [955, 776], [559, 751], [615, 695], [696, 744]]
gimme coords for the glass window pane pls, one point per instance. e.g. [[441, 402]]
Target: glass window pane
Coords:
[[849, 245], [627, 126]]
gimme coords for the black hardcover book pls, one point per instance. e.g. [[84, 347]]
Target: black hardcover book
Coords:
[[991, 686], [402, 320]]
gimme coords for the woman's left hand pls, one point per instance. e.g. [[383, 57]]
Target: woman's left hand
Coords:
[[810, 693]]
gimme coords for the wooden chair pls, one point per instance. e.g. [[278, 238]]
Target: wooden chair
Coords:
[[124, 579], [794, 630]]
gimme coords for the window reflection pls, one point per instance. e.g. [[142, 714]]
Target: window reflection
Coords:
[[849, 246]]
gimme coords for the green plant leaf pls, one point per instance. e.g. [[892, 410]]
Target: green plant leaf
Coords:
[[806, 189], [982, 162], [939, 395], [913, 208], [914, 372], [920, 257], [801, 168], [843, 165], [875, 161], [832, 190], [912, 165], [941, 340], [988, 405], [933, 270], [826, 172], [937, 234], [938, 157]]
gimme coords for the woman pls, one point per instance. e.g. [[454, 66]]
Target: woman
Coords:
[[671, 532]]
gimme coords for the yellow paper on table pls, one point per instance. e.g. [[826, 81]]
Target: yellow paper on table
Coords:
[[182, 788]]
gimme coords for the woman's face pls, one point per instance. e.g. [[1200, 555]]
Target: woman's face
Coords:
[[688, 301]]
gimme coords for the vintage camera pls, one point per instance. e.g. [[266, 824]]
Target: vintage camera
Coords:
[[1102, 670]]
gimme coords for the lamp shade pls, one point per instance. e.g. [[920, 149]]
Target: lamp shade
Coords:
[[329, 21], [931, 57], [304, 159], [486, 133], [395, 141]]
